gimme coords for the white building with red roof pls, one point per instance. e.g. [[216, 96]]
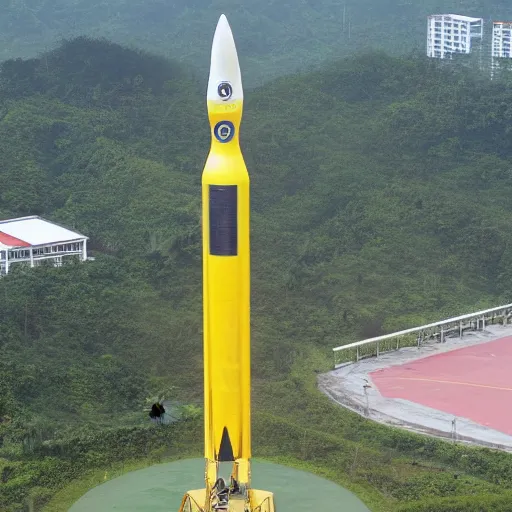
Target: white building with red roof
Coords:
[[30, 240]]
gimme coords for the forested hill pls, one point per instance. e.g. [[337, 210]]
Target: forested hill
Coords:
[[381, 199], [273, 37]]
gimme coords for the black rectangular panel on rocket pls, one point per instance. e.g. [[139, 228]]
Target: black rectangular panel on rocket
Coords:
[[223, 220]]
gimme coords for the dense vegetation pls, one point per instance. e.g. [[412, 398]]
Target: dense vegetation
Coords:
[[274, 37], [380, 192]]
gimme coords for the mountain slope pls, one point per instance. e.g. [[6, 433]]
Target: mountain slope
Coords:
[[370, 203], [273, 38], [380, 196]]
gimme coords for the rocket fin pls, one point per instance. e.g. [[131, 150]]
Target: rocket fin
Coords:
[[226, 448]]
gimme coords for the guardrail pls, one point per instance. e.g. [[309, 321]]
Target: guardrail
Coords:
[[416, 336]]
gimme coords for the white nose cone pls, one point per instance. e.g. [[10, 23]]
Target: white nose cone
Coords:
[[225, 82]]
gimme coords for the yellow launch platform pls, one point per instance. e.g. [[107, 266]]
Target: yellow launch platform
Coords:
[[226, 296]]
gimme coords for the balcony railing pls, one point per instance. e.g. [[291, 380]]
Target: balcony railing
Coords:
[[436, 332]]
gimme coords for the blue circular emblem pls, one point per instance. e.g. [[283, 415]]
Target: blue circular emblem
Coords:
[[224, 131], [225, 91]]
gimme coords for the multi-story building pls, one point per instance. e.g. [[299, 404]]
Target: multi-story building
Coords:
[[452, 34], [30, 240], [501, 45]]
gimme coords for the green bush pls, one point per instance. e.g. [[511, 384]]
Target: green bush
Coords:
[[479, 503]]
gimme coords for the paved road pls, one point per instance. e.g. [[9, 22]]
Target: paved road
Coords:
[[161, 488]]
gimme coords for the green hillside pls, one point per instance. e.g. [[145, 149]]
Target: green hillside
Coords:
[[381, 199], [273, 37]]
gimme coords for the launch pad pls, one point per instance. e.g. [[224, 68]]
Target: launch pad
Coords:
[[159, 488]]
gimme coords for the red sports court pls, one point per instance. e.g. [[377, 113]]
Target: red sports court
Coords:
[[473, 382]]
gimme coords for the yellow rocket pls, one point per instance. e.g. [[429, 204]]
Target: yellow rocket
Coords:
[[226, 295]]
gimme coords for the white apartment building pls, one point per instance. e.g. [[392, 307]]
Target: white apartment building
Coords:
[[452, 34], [501, 43]]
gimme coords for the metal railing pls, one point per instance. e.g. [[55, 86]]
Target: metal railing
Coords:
[[189, 504], [265, 506], [416, 336]]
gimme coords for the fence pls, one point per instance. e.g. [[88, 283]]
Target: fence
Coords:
[[416, 336]]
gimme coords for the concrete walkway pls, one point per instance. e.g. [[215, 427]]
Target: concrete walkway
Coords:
[[161, 488], [345, 386]]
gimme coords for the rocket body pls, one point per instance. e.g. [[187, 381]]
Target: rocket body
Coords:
[[226, 296], [226, 262]]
